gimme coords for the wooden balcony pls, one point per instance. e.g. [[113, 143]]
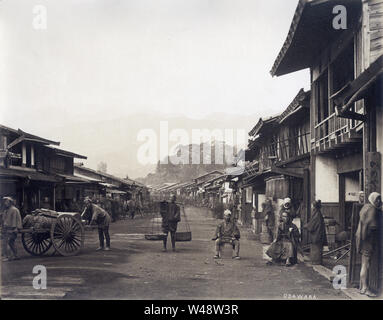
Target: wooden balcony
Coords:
[[335, 133], [285, 151]]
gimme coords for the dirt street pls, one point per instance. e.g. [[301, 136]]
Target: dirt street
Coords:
[[137, 269]]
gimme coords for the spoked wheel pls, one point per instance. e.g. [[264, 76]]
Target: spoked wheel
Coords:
[[36, 243], [67, 234]]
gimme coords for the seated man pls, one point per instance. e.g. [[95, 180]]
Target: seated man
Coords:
[[227, 232]]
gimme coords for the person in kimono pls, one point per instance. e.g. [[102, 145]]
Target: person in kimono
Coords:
[[11, 223], [284, 248], [317, 233], [269, 217], [227, 232], [132, 208], [367, 238], [100, 217], [170, 218], [286, 207]]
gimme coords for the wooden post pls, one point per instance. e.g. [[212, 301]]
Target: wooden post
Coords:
[[373, 173], [24, 155], [306, 204], [54, 197], [342, 202], [32, 156]]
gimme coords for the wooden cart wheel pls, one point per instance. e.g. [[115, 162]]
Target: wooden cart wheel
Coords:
[[36, 243], [67, 235]]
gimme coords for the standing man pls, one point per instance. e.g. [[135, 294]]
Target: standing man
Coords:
[[227, 232], [367, 238], [170, 218], [100, 217], [132, 208], [11, 223]]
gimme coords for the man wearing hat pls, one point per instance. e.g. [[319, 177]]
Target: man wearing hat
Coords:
[[101, 218], [227, 232], [11, 222]]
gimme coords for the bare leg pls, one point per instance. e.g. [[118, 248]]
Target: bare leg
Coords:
[[364, 273], [165, 241], [218, 248], [173, 239], [236, 248]]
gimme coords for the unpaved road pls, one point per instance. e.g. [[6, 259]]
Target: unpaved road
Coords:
[[137, 269]]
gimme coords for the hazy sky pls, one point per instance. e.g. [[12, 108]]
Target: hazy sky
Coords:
[[104, 59]]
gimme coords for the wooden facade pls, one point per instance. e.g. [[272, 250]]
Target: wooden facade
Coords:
[[346, 68], [32, 171]]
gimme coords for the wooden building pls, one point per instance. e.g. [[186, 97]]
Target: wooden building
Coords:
[[346, 118], [109, 185], [278, 158], [336, 143], [31, 170]]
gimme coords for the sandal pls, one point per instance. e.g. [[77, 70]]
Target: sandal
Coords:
[[370, 294], [362, 291]]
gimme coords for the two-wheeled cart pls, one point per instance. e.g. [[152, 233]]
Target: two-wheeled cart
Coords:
[[64, 231]]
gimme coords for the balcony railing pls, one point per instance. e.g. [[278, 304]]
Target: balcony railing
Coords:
[[284, 150], [332, 127]]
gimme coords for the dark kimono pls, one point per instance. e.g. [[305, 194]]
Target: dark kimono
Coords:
[[269, 219], [286, 245], [317, 236], [171, 215]]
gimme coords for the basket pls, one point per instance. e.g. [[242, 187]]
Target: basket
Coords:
[[183, 236], [156, 237]]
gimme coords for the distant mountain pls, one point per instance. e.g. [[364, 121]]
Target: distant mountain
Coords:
[[114, 141], [190, 161]]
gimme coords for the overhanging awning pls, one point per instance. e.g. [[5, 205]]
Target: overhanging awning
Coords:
[[77, 175], [311, 31], [24, 136], [108, 185], [358, 88], [31, 175], [115, 191], [72, 178]]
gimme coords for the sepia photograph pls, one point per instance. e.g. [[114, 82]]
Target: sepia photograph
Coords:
[[190, 155]]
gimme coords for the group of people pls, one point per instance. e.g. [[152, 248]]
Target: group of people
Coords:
[[286, 238], [285, 234]]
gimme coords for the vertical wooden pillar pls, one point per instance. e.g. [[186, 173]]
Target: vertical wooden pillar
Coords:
[[372, 159], [23, 155], [54, 197], [306, 210], [373, 173], [32, 156], [342, 202]]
